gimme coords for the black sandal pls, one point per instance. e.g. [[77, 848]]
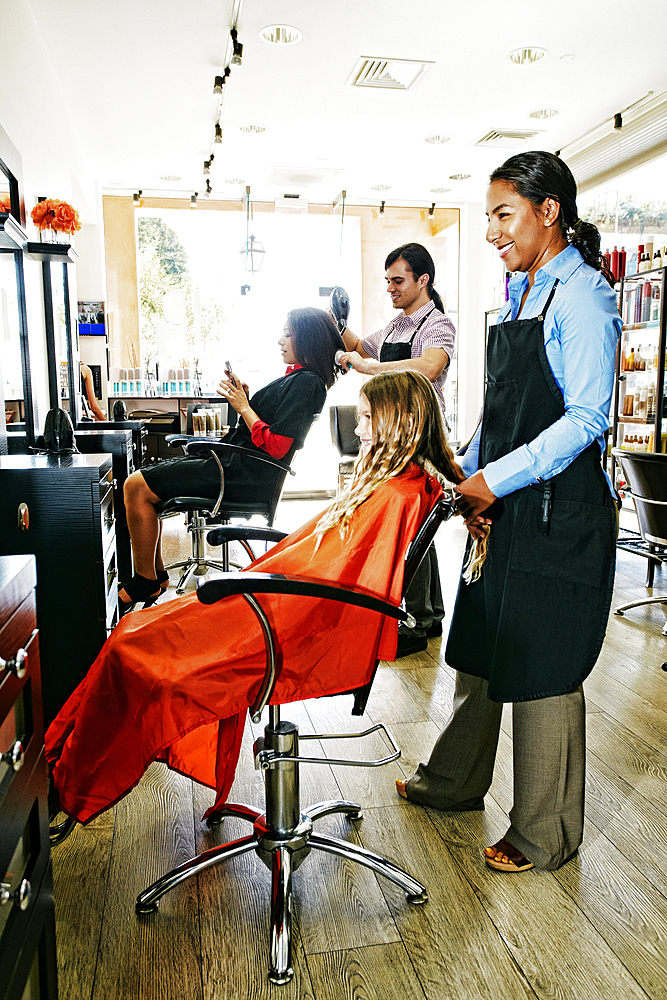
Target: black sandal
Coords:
[[140, 590]]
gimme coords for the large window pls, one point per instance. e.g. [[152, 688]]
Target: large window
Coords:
[[200, 305]]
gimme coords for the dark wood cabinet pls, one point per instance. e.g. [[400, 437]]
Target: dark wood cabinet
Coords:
[[60, 509], [95, 438], [27, 926]]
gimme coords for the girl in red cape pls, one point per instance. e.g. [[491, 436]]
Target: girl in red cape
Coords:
[[173, 683]]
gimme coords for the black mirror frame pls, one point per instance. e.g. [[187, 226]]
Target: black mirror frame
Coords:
[[13, 239]]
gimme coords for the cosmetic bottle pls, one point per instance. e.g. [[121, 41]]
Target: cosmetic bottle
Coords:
[[622, 258], [655, 304], [614, 264], [631, 262]]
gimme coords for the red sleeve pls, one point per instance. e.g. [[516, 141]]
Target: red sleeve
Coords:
[[275, 445]]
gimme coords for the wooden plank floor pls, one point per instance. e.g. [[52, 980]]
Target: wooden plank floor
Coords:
[[594, 930]]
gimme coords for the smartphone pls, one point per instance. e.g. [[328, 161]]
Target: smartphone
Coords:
[[228, 370]]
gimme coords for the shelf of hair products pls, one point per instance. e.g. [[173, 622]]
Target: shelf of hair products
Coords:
[[639, 408]]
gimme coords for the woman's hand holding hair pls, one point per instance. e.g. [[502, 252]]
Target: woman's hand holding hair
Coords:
[[474, 498]]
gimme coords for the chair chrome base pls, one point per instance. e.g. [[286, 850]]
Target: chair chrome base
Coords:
[[282, 837], [197, 564], [637, 604]]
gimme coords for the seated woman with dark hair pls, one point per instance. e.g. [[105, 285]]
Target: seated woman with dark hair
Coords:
[[274, 421], [173, 683]]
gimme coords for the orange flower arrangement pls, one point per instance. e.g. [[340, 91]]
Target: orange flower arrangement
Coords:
[[6, 204], [56, 215]]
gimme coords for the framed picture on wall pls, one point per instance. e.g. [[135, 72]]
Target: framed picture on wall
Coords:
[[91, 319]]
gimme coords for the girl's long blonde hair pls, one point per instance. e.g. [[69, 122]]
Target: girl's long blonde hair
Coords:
[[407, 426]]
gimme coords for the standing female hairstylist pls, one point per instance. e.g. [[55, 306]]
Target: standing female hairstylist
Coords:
[[530, 630]]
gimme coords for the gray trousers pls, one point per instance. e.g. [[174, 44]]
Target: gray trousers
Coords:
[[423, 598], [549, 751]]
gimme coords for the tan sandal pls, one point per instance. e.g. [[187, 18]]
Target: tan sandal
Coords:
[[505, 858], [400, 788]]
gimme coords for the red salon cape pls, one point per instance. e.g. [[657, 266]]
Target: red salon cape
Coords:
[[173, 683]]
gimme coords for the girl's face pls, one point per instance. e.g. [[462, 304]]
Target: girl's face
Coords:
[[364, 429], [286, 344], [522, 233]]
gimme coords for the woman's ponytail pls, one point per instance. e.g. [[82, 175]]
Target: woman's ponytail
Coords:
[[585, 237]]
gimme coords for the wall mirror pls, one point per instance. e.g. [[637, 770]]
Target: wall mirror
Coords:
[[16, 386], [61, 334]]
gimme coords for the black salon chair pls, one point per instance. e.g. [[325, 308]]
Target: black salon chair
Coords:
[[343, 420], [283, 835], [203, 512], [646, 475]]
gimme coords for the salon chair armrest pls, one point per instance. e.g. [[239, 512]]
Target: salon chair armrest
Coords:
[[221, 585], [203, 446], [245, 533], [251, 584]]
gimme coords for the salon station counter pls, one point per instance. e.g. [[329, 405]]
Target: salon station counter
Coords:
[[60, 509]]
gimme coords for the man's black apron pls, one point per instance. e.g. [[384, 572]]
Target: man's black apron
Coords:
[[534, 623], [402, 352]]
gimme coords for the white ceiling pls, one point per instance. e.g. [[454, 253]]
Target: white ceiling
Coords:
[[140, 89]]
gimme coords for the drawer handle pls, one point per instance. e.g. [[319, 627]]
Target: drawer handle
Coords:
[[14, 756], [17, 665], [21, 895]]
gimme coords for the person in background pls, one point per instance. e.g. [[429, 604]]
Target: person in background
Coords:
[[421, 339], [530, 630], [173, 683], [88, 391], [274, 421]]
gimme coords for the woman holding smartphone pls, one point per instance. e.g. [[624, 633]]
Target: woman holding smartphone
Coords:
[[274, 421]]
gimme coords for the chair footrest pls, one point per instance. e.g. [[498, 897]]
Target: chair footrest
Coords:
[[266, 759]]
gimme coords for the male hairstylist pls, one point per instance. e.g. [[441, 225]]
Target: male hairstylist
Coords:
[[420, 339]]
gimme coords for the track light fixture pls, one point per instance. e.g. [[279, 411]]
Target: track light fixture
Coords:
[[207, 168], [381, 208], [136, 199], [217, 86], [431, 210], [618, 121], [193, 200], [209, 189], [237, 57], [218, 133]]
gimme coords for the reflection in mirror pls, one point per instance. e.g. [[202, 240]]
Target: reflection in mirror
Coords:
[[16, 380], [10, 338], [62, 352]]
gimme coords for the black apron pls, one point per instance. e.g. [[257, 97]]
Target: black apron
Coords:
[[402, 352], [533, 624]]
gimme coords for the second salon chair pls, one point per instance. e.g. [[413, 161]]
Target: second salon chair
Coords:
[[204, 512]]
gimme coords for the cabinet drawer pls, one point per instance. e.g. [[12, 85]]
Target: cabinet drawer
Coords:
[[21, 727], [107, 514], [24, 857]]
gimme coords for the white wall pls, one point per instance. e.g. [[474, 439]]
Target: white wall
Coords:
[[473, 302]]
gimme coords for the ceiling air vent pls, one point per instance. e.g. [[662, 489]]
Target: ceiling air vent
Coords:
[[506, 138], [387, 74]]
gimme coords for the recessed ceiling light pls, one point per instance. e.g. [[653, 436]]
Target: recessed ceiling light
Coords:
[[280, 34], [439, 190], [252, 127], [235, 180], [526, 55], [542, 113], [437, 139], [380, 187], [170, 177], [568, 57], [459, 177]]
